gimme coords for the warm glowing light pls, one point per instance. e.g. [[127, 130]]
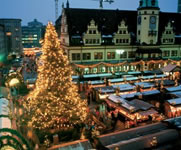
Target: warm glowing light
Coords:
[[54, 102], [14, 82]]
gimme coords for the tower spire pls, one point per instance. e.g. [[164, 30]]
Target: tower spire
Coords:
[[67, 4], [56, 9]]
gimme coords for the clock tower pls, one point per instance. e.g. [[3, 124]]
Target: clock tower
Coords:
[[147, 22]]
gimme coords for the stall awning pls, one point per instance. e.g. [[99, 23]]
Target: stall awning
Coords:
[[144, 51]]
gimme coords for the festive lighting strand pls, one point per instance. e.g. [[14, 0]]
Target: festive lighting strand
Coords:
[[55, 97]]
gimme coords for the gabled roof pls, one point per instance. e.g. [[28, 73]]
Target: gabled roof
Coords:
[[170, 68], [107, 20]]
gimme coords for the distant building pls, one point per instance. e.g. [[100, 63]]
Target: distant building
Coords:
[[92, 36], [32, 34], [3, 51], [179, 6], [13, 35]]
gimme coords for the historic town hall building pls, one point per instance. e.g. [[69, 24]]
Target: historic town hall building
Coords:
[[98, 40]]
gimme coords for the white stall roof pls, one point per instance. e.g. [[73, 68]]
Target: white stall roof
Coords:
[[175, 88], [152, 92], [124, 87], [145, 84], [176, 101]]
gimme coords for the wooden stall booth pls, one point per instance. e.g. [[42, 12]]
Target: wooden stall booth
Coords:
[[173, 107], [135, 111]]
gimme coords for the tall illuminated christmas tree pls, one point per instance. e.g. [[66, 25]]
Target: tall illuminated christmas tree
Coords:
[[55, 102]]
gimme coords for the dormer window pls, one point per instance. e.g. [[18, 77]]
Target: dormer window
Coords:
[[90, 31], [92, 36]]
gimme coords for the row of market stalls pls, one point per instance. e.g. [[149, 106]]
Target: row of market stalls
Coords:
[[140, 101], [101, 92], [117, 81]]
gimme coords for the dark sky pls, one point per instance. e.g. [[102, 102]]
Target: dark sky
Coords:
[[44, 10]]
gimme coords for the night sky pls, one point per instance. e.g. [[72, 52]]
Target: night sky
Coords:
[[44, 10]]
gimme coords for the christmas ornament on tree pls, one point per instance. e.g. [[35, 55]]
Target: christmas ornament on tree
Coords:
[[55, 101]]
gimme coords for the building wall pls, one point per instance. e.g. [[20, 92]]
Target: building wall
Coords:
[[32, 34], [150, 36], [2, 41], [13, 34]]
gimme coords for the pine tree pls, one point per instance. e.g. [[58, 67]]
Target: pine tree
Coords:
[[55, 101]]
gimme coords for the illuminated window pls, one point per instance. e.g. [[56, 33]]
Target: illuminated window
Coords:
[[98, 55], [111, 55]]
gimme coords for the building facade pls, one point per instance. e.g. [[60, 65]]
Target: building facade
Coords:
[[13, 35], [31, 34], [179, 6], [3, 51], [111, 37]]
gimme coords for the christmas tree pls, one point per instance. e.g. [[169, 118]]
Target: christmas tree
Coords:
[[55, 102]]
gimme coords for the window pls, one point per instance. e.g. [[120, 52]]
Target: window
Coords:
[[127, 40], [124, 32], [76, 56], [124, 55], [120, 32], [151, 41], [111, 55], [94, 31], [138, 32], [98, 55], [97, 41], [86, 56], [166, 53], [86, 41], [90, 31], [117, 40], [131, 54], [145, 12], [174, 53], [90, 41], [153, 12]]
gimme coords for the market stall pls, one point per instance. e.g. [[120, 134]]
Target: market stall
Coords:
[[134, 111], [173, 107]]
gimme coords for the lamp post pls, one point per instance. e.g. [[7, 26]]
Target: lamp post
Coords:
[[120, 52], [12, 84]]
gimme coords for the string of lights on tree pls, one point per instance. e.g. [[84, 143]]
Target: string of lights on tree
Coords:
[[55, 102]]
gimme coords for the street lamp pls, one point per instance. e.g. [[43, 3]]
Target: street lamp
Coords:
[[120, 52], [13, 84]]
